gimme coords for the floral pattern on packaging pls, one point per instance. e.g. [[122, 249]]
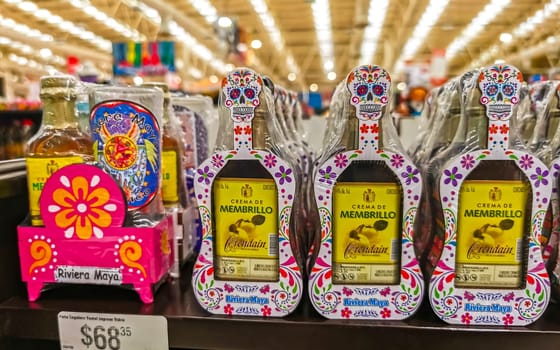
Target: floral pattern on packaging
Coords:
[[83, 241], [235, 297], [500, 86], [127, 142], [391, 301]]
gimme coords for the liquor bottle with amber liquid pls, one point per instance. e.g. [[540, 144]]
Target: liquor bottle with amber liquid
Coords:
[[59, 140], [173, 184], [245, 198], [367, 195], [366, 250]]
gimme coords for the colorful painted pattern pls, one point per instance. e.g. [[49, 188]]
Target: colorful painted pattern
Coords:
[[500, 91]]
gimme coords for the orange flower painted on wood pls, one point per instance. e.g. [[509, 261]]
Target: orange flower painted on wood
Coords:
[[81, 207]]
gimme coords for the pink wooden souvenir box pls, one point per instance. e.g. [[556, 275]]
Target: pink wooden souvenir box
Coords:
[[83, 241]]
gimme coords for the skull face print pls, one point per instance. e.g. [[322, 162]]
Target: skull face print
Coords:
[[500, 86], [242, 87], [370, 87]]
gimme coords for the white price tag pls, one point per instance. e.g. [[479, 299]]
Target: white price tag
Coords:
[[89, 331]]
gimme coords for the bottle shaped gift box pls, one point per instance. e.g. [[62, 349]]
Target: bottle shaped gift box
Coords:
[[245, 195], [494, 199], [367, 193], [59, 140]]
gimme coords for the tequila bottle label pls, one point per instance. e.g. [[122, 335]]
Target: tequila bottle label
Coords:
[[491, 226], [127, 143], [246, 226], [366, 219]]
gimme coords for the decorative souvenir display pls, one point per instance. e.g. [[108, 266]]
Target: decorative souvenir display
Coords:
[[84, 241], [367, 192], [246, 264], [494, 201]]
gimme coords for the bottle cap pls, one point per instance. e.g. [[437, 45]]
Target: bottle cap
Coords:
[[162, 86], [58, 84]]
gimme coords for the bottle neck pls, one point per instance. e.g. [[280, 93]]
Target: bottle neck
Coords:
[[555, 141], [260, 131], [59, 113]]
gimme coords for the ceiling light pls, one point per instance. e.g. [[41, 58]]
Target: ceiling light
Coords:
[[430, 16], [205, 9], [213, 79], [229, 67], [524, 29], [27, 6], [551, 39], [242, 47], [42, 14], [224, 22], [256, 44], [292, 76], [506, 37], [328, 65], [269, 24], [401, 86], [313, 87], [477, 25], [331, 76], [45, 53], [137, 80], [4, 41], [195, 73], [376, 17], [322, 19], [54, 19], [499, 61]]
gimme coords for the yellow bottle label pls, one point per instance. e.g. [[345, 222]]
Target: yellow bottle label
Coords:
[[246, 229], [366, 232], [169, 176], [38, 171], [490, 228]]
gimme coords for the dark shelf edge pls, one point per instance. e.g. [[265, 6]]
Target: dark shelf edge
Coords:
[[191, 327]]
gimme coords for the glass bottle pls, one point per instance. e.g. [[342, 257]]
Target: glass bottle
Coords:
[[494, 206], [59, 140], [246, 243], [173, 185], [369, 253]]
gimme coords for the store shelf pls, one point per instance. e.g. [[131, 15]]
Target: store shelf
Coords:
[[191, 327]]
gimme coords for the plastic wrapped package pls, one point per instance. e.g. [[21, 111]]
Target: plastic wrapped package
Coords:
[[245, 196], [129, 111], [425, 123], [270, 135], [493, 196], [526, 117], [542, 95], [367, 191], [305, 211], [208, 115], [298, 116], [469, 122], [552, 156], [195, 151], [447, 115]]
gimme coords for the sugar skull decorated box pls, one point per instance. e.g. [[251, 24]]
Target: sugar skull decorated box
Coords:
[[494, 201], [367, 198], [246, 265], [84, 241]]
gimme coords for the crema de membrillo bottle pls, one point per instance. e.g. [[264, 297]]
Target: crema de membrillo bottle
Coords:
[[246, 264], [58, 142], [494, 201], [367, 194]]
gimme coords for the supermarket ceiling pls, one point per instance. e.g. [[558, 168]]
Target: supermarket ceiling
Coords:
[[302, 41]]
